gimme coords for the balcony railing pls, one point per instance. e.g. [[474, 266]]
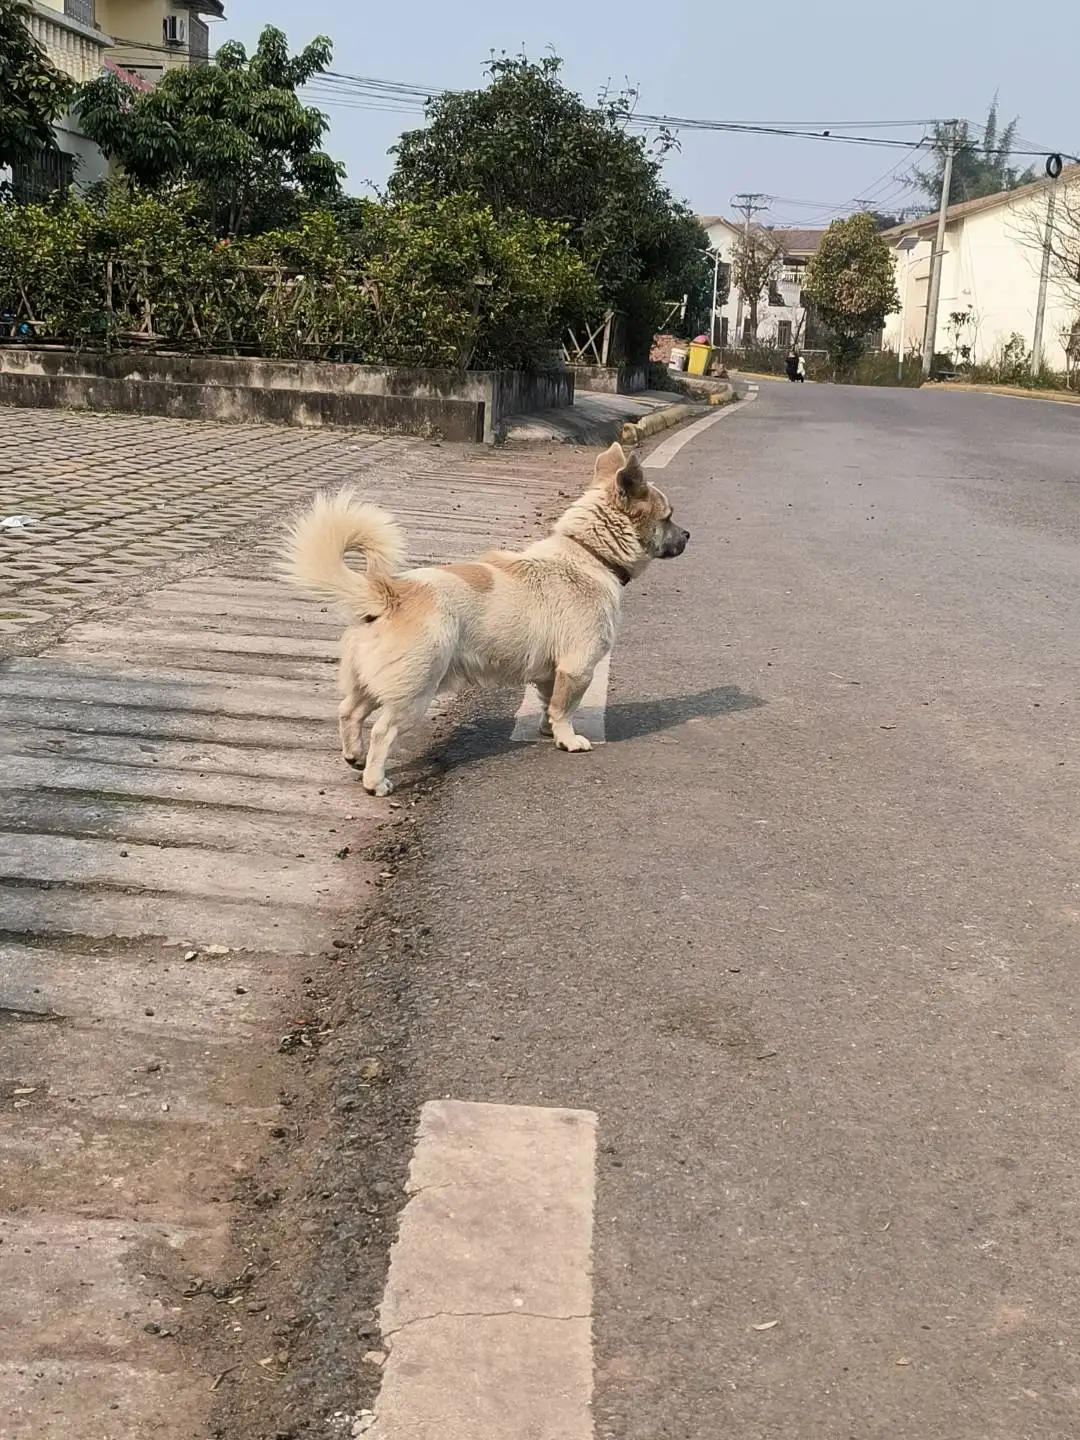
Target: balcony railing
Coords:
[[68, 46], [80, 10]]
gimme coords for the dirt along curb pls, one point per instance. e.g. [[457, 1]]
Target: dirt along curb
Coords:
[[634, 432]]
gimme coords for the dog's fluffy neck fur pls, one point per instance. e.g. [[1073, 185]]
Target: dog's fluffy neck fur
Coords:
[[606, 533]]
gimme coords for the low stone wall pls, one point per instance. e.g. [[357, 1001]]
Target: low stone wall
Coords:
[[612, 379], [455, 420], [519, 392], [469, 405]]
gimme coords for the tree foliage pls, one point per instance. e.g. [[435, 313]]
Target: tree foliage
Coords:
[[441, 284], [851, 285], [526, 143], [980, 166], [234, 129], [755, 266], [33, 93]]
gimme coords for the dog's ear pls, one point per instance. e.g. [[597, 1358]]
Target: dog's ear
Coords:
[[631, 480], [609, 464]]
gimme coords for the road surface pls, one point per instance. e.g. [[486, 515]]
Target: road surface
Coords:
[[803, 934]]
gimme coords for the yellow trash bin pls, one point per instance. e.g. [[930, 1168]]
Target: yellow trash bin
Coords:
[[699, 359]]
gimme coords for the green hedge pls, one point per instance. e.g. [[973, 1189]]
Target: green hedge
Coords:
[[440, 284]]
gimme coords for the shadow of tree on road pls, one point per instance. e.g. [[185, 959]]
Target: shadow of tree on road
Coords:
[[631, 719]]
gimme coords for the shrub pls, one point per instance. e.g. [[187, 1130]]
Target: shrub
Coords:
[[436, 284]]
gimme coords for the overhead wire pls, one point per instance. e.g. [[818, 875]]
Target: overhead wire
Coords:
[[339, 89]]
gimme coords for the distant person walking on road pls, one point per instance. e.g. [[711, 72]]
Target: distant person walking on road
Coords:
[[791, 366], [800, 369]]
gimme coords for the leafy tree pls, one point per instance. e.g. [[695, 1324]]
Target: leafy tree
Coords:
[[755, 268], [33, 93], [528, 144], [980, 167], [851, 284], [235, 129]]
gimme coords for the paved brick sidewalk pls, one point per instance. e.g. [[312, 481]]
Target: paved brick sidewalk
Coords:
[[114, 495], [184, 862]]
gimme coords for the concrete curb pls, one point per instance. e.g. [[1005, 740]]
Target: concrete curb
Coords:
[[1014, 392], [635, 431]]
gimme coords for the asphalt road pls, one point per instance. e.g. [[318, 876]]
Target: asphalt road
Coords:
[[805, 933]]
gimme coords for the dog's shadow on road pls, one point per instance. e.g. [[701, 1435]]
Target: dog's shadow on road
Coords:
[[633, 719], [483, 736]]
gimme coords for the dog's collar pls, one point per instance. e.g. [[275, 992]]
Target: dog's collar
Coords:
[[621, 573]]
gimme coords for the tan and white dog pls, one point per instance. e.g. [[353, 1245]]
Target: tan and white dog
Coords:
[[545, 615]]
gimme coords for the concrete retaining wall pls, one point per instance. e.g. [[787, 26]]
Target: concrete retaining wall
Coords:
[[456, 420], [467, 405], [612, 379]]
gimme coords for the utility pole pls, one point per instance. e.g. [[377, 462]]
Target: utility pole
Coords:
[[749, 203], [1053, 170], [934, 294], [715, 287]]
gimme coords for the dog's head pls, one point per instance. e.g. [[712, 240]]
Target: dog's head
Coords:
[[625, 487]]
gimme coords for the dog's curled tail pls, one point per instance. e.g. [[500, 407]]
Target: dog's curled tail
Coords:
[[319, 538]]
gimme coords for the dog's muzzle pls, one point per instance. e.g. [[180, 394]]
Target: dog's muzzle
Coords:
[[674, 543]]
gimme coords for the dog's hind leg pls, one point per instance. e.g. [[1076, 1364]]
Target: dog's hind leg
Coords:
[[352, 712], [571, 681], [392, 720]]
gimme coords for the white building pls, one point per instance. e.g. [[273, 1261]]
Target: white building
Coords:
[[782, 314], [139, 39], [990, 276], [65, 29]]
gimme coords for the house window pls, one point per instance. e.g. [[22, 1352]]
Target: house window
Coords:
[[723, 331], [783, 334], [747, 333]]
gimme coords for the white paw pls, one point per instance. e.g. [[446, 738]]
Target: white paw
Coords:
[[382, 789], [574, 743]]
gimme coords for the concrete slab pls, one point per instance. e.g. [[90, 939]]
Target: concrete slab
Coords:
[[489, 1298], [593, 419], [122, 1402], [242, 925], [150, 782], [221, 828], [149, 993], [86, 717], [176, 870], [104, 1070], [322, 767]]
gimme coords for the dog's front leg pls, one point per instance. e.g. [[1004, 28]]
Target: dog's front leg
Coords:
[[568, 687], [544, 688]]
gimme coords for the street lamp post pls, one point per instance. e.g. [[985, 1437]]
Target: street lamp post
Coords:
[[907, 245]]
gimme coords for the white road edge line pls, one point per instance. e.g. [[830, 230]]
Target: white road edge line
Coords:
[[487, 1316], [664, 453], [588, 718]]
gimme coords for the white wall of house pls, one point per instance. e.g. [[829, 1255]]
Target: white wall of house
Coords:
[[79, 51], [781, 325], [991, 267]]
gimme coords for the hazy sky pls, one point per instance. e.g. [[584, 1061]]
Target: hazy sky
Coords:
[[777, 61]]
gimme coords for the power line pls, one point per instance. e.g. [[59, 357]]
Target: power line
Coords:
[[340, 90]]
